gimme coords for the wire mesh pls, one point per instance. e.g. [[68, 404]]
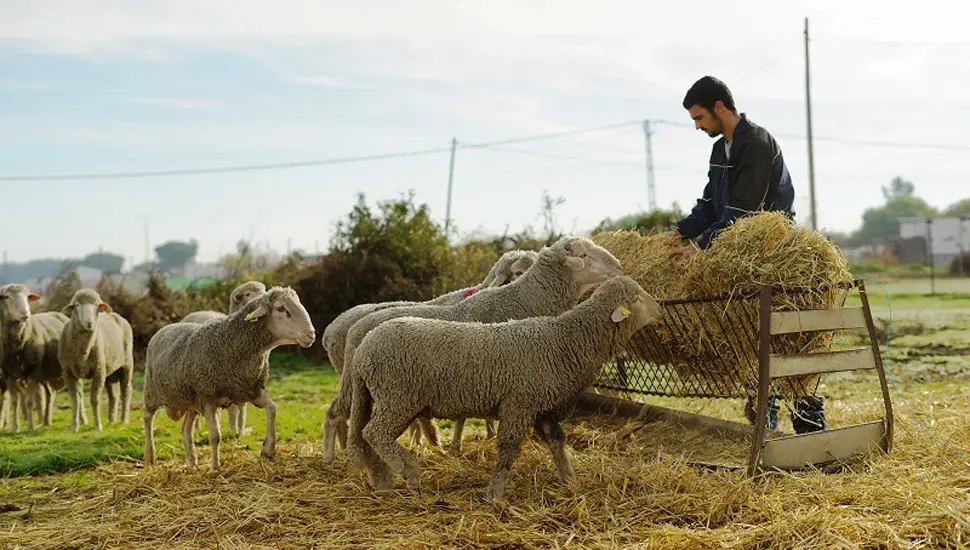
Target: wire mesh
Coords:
[[708, 347]]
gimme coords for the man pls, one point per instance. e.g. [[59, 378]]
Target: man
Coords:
[[747, 174]]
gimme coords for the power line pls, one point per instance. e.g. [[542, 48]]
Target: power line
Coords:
[[302, 164], [835, 38]]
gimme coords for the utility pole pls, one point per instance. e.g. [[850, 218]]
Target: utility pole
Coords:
[[808, 119], [929, 254], [651, 189], [451, 176]]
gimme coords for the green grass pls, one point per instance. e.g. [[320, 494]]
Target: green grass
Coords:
[[301, 389]]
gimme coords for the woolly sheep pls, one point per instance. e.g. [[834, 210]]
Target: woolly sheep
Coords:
[[509, 267], [29, 352], [560, 275], [519, 370], [96, 344], [194, 368], [239, 296]]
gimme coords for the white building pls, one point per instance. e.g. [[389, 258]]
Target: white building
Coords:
[[947, 237]]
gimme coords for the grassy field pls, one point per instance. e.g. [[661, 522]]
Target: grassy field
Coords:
[[638, 484]]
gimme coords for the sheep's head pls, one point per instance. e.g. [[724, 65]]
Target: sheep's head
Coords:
[[286, 318], [522, 264], [590, 263], [85, 308], [244, 293], [632, 307], [15, 302]]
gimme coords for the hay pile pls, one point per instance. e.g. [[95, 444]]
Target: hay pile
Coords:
[[713, 343], [636, 488]]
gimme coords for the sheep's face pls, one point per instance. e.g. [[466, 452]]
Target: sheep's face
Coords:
[[84, 311], [245, 293], [520, 266], [15, 303], [288, 321], [590, 263], [499, 274], [636, 308]]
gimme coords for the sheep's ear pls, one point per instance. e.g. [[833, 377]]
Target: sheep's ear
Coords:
[[620, 313], [575, 263], [33, 297], [261, 309], [68, 309], [104, 308]]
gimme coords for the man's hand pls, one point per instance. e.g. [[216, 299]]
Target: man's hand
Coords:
[[685, 252]]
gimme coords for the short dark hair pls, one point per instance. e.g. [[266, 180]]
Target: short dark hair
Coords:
[[707, 91]]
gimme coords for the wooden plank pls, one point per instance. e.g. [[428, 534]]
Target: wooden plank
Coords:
[[784, 322], [782, 366], [795, 452]]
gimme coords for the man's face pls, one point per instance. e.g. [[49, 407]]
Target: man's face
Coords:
[[706, 120]]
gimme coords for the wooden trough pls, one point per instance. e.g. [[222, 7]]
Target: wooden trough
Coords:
[[743, 364]]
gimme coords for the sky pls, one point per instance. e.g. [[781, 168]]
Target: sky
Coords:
[[113, 86]]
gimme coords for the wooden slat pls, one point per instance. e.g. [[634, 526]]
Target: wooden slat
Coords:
[[783, 322], [798, 451], [782, 366]]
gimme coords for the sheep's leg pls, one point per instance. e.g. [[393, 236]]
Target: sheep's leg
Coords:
[[125, 385], [414, 434], [456, 430], [74, 392], [97, 386], [269, 443], [188, 440], [489, 428], [29, 404], [149, 419], [551, 432], [233, 411], [112, 391], [4, 408], [16, 404], [241, 420], [359, 450], [511, 433], [49, 408], [80, 404], [336, 420], [430, 430], [382, 433], [215, 433]]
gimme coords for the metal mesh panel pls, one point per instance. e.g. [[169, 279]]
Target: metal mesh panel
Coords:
[[707, 348]]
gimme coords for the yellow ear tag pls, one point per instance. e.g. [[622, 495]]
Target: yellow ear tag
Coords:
[[491, 284], [626, 312], [251, 317]]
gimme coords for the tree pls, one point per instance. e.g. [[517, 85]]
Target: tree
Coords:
[[898, 187], [108, 263], [176, 253], [958, 209], [883, 222]]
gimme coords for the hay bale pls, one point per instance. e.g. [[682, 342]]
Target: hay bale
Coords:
[[720, 350]]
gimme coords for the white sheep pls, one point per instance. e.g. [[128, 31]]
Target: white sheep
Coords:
[[96, 344], [239, 296], [194, 368], [561, 274], [29, 353], [523, 371], [510, 266]]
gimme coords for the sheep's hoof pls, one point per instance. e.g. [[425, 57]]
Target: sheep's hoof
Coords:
[[267, 453], [414, 485]]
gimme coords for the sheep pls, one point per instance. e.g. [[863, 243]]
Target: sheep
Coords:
[[520, 370], [97, 344], [29, 347], [193, 368], [561, 274], [239, 296], [509, 267]]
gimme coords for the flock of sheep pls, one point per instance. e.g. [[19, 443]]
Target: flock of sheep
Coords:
[[518, 348]]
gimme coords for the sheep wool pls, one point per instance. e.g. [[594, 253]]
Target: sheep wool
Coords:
[[29, 344], [96, 344], [517, 370], [560, 275], [195, 368]]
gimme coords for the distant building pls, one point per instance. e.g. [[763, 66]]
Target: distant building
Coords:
[[947, 238]]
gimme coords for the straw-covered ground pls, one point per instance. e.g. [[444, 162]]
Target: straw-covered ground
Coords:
[[639, 484]]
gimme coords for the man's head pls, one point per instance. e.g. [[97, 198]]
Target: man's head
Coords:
[[710, 103]]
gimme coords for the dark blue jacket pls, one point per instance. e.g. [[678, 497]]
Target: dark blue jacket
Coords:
[[755, 178]]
